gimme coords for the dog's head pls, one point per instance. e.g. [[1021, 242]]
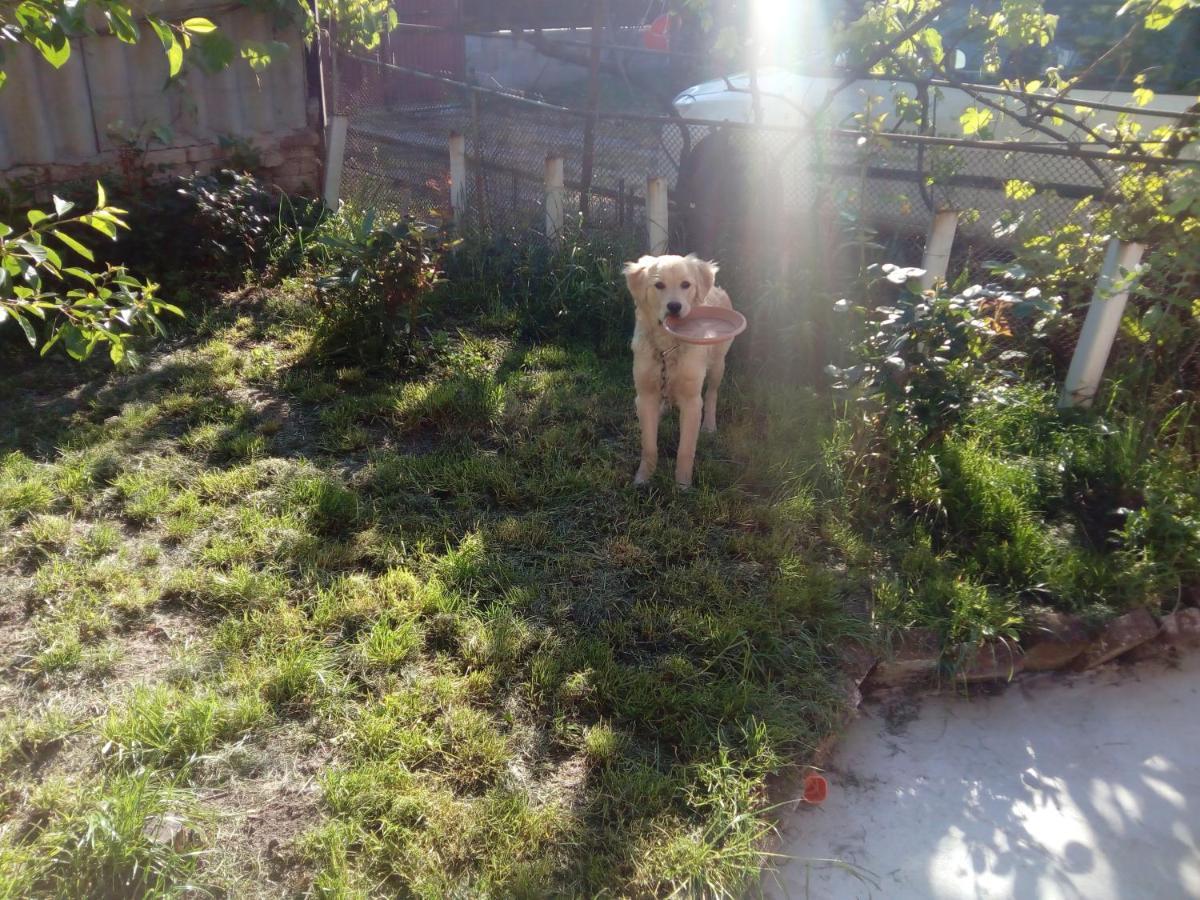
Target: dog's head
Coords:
[[669, 285]]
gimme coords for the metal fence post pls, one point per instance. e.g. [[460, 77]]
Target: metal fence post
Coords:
[[656, 215], [1100, 327], [335, 157], [555, 197], [937, 247], [458, 177]]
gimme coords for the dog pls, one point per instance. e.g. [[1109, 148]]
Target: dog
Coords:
[[667, 370]]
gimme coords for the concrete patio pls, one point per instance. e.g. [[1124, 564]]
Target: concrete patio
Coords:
[[1081, 786]]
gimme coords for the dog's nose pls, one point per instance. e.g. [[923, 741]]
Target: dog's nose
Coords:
[[674, 307]]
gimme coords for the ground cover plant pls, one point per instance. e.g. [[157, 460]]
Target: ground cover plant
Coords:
[[286, 618], [300, 606], [402, 628]]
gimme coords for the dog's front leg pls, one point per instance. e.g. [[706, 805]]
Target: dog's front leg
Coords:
[[689, 431], [648, 410]]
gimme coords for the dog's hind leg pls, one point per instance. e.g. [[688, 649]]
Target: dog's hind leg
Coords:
[[715, 374], [689, 431]]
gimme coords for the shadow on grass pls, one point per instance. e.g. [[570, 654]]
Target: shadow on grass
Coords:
[[544, 679]]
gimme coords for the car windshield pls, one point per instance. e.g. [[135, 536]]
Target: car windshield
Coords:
[[1169, 59]]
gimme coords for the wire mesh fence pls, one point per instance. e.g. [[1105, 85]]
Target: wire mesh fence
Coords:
[[882, 190]]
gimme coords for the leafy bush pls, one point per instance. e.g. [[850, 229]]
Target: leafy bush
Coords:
[[381, 274], [231, 220], [929, 355], [78, 308], [1017, 500], [571, 289], [1161, 331]]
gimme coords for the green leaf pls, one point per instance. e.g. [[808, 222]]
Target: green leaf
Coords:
[[81, 274], [117, 351], [975, 120], [214, 51], [101, 225], [1142, 96], [74, 341], [122, 24], [30, 334], [162, 29], [35, 251], [61, 206], [1163, 13], [171, 45], [35, 216], [199, 25], [174, 58], [101, 197], [261, 55], [56, 53], [74, 245], [1018, 190]]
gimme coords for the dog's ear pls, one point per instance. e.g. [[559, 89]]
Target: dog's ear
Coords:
[[705, 275], [637, 274]]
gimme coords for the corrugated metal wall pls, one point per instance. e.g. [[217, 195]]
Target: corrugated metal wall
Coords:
[[68, 115]]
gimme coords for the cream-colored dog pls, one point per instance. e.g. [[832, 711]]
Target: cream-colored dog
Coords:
[[667, 370]]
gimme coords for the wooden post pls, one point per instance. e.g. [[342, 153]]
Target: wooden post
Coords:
[[458, 178], [938, 246], [483, 201], [555, 197], [656, 215], [335, 157], [599, 16], [1100, 327]]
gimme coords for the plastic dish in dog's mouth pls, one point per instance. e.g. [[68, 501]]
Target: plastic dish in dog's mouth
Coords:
[[706, 325]]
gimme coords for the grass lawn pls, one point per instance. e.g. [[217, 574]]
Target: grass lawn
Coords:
[[270, 628]]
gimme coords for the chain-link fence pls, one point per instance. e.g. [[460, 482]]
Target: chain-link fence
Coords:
[[836, 187]]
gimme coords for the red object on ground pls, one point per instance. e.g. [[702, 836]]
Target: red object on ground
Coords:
[[658, 35], [816, 788]]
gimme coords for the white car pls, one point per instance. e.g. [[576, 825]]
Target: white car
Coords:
[[891, 186]]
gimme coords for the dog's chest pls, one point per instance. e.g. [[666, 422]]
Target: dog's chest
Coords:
[[668, 365]]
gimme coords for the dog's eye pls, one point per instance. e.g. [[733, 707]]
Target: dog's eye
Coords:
[[686, 285], [660, 286]]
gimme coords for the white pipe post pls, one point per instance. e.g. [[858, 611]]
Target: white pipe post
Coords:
[[656, 215], [1100, 327], [556, 195], [938, 246], [335, 156], [458, 178]]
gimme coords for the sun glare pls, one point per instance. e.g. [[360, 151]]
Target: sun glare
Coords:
[[789, 32]]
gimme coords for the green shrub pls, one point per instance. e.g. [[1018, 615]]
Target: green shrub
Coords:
[[380, 275]]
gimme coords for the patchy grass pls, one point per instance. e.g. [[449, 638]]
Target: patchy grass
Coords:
[[411, 632], [425, 623]]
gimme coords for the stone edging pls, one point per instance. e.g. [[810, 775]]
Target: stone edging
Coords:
[[1054, 642]]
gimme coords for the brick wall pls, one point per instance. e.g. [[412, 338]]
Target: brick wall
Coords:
[[291, 162]]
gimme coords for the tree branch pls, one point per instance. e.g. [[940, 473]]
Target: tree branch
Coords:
[[1029, 122], [881, 52]]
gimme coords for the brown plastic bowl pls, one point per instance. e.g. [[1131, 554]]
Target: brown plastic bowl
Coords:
[[706, 325]]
